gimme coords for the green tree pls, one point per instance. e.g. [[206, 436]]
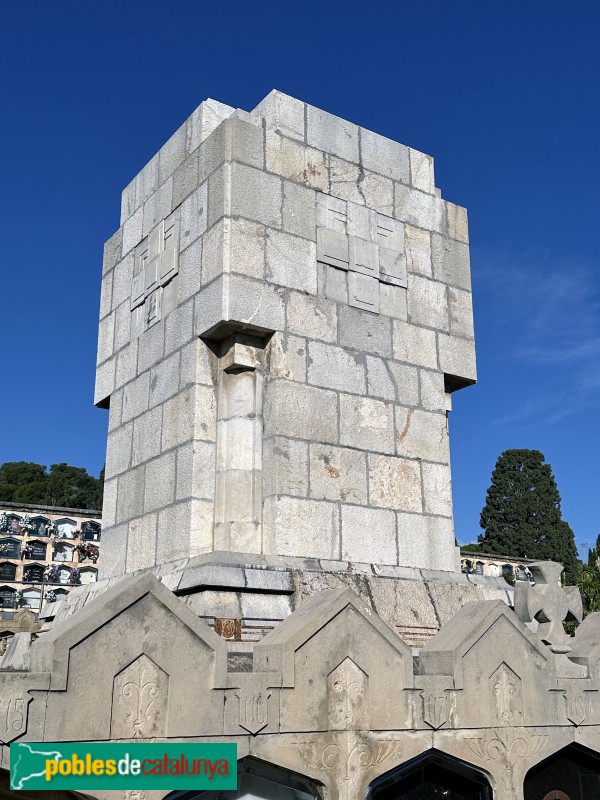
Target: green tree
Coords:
[[62, 485], [522, 515]]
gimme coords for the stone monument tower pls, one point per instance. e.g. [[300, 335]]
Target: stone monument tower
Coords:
[[286, 310], [285, 314]]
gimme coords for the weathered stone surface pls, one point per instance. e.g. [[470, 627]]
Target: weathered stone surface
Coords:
[[395, 483], [338, 473]]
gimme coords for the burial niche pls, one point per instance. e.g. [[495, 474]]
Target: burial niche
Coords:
[[258, 780], [432, 776], [571, 774]]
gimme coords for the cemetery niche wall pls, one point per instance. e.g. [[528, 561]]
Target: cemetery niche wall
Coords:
[[285, 316]]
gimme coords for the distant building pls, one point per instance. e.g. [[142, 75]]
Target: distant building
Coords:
[[495, 566], [44, 553]]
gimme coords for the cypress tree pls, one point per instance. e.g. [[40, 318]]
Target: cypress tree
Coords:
[[522, 515]]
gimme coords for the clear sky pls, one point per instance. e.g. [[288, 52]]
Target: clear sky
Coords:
[[504, 95]]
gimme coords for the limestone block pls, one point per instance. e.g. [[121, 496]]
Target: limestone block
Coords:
[[392, 381], [427, 302], [188, 280], [421, 171], [338, 473], [255, 305], [132, 231], [437, 489], [146, 181], [418, 209], [312, 316], [113, 251], [126, 364], [106, 294], [203, 122], [295, 161], [179, 327], [299, 210], [105, 380], [333, 248], [377, 191], [286, 357], [130, 497], [335, 368], [109, 503], [403, 603], [196, 364], [298, 527], [427, 540], [179, 416], [457, 357], [172, 154], [432, 390], [128, 205], [368, 535], [366, 423], [151, 348], [303, 412], [395, 483], [291, 261], [247, 248], [118, 450], [393, 301], [451, 262], [422, 434], [365, 332], [255, 195], [173, 532], [414, 344], [122, 335], [116, 407], [193, 217], [115, 554], [186, 178], [457, 226], [285, 467], [418, 251], [344, 177], [332, 134], [385, 156], [460, 307], [141, 543], [201, 532], [160, 482], [158, 206], [164, 379], [333, 283], [282, 113], [196, 471], [147, 430], [106, 333]]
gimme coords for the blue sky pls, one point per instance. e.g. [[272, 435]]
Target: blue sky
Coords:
[[503, 95]]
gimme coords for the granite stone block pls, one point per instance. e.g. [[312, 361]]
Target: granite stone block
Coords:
[[366, 424], [338, 473], [334, 368], [332, 134]]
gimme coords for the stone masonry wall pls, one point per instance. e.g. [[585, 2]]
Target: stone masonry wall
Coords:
[[330, 284]]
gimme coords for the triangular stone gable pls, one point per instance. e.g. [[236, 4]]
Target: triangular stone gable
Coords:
[[443, 654], [51, 652], [321, 649], [136, 661]]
